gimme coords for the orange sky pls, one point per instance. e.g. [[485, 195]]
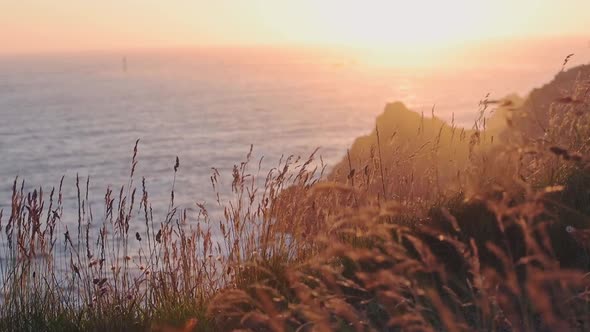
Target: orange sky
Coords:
[[30, 26]]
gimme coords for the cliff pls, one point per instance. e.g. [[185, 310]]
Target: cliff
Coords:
[[411, 155], [567, 89], [414, 152]]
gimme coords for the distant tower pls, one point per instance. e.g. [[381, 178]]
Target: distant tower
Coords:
[[125, 64]]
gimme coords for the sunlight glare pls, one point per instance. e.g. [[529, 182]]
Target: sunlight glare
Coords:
[[390, 23]]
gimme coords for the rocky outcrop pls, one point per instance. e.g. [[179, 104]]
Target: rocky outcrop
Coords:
[[410, 154], [406, 154], [567, 89]]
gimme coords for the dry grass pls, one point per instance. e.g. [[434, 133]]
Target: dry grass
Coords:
[[493, 240]]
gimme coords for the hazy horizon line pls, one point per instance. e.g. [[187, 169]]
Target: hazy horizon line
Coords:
[[290, 46]]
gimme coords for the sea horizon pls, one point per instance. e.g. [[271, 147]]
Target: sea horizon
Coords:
[[208, 107]]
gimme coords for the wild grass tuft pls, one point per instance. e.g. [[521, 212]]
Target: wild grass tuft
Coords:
[[423, 228]]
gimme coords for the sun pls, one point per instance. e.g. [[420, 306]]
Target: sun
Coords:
[[394, 23]]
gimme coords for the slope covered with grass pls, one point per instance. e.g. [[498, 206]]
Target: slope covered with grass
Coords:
[[422, 226]]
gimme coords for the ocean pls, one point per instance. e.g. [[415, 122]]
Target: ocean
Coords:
[[81, 114]]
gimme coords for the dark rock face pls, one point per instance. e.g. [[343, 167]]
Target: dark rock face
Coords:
[[565, 90]]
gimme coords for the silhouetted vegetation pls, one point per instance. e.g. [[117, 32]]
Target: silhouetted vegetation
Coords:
[[423, 226]]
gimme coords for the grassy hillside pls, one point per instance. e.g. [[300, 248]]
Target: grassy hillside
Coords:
[[422, 226]]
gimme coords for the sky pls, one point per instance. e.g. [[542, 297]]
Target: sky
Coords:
[[37, 26]]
